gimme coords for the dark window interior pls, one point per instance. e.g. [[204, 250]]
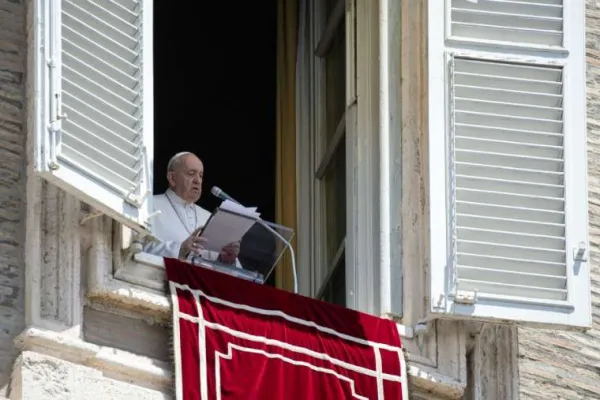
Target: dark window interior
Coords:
[[215, 77]]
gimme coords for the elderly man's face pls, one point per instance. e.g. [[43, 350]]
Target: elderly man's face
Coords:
[[186, 179]]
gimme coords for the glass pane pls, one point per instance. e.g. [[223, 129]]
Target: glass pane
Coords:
[[335, 201], [335, 78], [336, 288], [330, 6]]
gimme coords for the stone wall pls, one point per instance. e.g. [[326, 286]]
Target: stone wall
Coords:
[[566, 365], [12, 179]]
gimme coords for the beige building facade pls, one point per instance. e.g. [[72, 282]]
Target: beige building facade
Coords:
[[84, 316]]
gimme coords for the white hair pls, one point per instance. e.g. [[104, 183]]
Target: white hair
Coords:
[[174, 160]]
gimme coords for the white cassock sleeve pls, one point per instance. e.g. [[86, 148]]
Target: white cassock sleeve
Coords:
[[171, 249], [163, 248]]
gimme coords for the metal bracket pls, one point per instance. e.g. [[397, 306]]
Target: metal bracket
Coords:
[[421, 330], [465, 297], [137, 244], [136, 200], [580, 254], [153, 215]]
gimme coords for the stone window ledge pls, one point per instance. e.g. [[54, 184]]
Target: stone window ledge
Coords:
[[145, 270], [137, 283]]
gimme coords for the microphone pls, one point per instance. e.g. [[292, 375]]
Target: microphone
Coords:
[[219, 193]]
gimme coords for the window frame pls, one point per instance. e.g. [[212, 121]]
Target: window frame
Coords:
[[576, 311], [327, 270]]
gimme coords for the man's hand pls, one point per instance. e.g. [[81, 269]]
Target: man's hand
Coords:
[[229, 253], [192, 244]]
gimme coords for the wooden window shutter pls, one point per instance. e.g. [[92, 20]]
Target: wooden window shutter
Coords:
[[508, 144], [95, 117]]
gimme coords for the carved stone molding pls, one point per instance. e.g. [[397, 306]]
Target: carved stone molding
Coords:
[[61, 261], [113, 363], [53, 258], [128, 284]]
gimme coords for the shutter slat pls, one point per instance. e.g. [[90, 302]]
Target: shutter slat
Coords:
[[509, 186], [106, 159], [513, 277], [509, 237], [510, 224], [511, 34], [125, 76], [509, 122], [104, 86], [503, 108], [491, 157], [485, 79], [96, 169], [105, 17], [533, 23], [99, 118], [102, 145], [493, 210], [510, 135], [108, 44], [507, 19], [90, 96], [503, 96], [100, 130], [525, 7], [73, 38], [508, 172], [503, 250], [512, 200], [504, 146], [513, 290], [111, 34], [525, 266], [127, 10], [512, 72]]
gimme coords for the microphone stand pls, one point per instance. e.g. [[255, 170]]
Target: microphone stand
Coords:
[[217, 192], [290, 248]]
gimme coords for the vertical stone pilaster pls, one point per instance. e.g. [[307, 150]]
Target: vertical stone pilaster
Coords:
[[61, 257], [12, 179], [492, 364]]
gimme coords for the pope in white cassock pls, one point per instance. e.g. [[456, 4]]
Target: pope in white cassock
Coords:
[[181, 220]]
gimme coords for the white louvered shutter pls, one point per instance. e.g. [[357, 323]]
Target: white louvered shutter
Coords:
[[97, 122], [507, 136]]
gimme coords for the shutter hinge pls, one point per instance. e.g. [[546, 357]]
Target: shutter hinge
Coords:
[[580, 253], [53, 130], [465, 297]]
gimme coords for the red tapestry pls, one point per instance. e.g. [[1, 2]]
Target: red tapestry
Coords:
[[235, 339]]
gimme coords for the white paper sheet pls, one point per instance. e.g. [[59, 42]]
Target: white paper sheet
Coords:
[[224, 228]]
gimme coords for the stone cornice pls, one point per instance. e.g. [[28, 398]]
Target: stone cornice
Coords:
[[114, 363]]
